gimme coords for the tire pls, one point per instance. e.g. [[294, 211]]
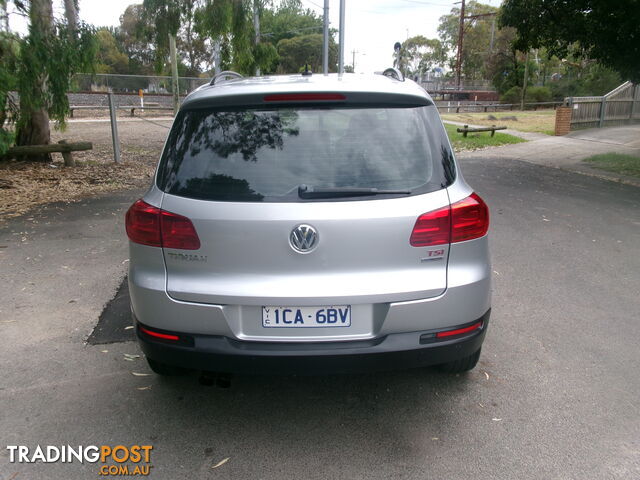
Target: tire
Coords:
[[164, 369], [462, 364]]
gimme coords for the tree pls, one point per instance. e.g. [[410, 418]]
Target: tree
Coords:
[[135, 38], [477, 38], [419, 55], [289, 19], [606, 31], [9, 51], [305, 49], [109, 57], [46, 59]]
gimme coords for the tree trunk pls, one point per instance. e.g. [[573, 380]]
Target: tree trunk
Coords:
[[4, 16], [71, 13], [34, 120]]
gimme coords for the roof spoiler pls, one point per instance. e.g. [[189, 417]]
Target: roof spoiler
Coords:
[[224, 76]]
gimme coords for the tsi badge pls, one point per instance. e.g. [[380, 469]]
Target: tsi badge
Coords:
[[433, 255]]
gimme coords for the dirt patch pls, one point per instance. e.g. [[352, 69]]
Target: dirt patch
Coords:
[[24, 185]]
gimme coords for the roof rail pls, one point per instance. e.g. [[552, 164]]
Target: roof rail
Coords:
[[226, 75], [392, 72]]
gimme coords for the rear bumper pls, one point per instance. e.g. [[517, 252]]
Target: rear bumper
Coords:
[[391, 352]]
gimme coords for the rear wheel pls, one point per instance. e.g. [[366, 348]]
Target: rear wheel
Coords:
[[462, 364], [164, 369]]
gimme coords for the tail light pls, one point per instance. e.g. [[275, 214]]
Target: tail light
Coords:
[[464, 220], [149, 225]]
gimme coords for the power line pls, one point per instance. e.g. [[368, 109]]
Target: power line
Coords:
[[299, 30], [427, 3]]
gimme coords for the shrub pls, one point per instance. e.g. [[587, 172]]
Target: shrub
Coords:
[[513, 95], [538, 94]]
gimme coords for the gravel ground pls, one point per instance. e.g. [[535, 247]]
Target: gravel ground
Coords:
[[24, 185]]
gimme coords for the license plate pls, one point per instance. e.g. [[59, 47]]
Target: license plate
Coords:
[[306, 317]]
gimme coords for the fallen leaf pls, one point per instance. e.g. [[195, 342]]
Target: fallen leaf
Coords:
[[148, 387], [220, 463], [138, 374], [486, 375], [129, 328]]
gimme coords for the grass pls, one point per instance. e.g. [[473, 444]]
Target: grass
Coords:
[[475, 141], [542, 121], [619, 163]]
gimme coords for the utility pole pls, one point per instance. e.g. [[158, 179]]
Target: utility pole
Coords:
[[524, 81], [325, 43], [215, 57], [256, 27], [460, 39], [341, 39], [493, 33], [174, 73]]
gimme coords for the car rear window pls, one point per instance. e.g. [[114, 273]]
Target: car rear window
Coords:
[[253, 155]]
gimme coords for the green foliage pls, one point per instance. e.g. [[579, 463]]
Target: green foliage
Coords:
[[289, 19], [584, 79], [532, 95], [606, 31], [538, 94], [297, 51], [54, 58], [9, 52], [134, 37], [109, 57], [419, 55], [477, 38], [513, 95]]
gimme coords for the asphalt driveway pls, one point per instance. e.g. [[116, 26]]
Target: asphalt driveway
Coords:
[[555, 395]]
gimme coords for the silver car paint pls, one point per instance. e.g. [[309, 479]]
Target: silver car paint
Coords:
[[250, 263]]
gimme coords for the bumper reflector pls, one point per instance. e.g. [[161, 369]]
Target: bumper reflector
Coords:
[[459, 331], [163, 336]]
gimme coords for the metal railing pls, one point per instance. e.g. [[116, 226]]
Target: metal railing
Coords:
[[495, 107], [620, 106]]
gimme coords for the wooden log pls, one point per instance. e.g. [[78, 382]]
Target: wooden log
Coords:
[[52, 147], [464, 131], [67, 156]]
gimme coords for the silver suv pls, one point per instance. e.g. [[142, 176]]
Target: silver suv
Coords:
[[309, 224]]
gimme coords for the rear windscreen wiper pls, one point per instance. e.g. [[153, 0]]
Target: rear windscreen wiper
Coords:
[[305, 191]]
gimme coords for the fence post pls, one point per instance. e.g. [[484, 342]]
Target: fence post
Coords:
[[114, 129], [633, 102], [603, 105]]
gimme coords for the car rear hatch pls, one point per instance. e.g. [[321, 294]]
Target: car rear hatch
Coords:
[[254, 180]]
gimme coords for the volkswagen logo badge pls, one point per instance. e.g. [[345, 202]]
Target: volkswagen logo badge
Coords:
[[303, 238]]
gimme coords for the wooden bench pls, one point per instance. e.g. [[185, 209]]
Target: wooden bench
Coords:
[[63, 147], [468, 129]]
